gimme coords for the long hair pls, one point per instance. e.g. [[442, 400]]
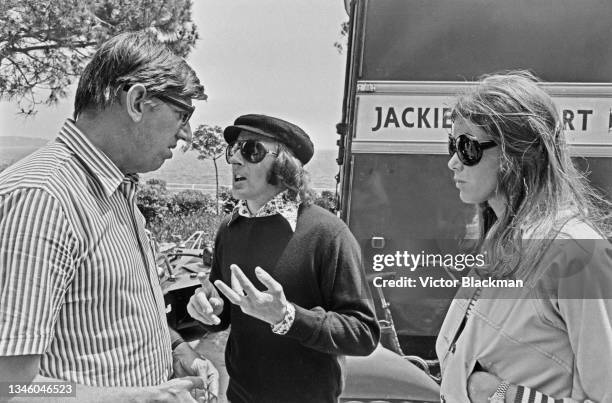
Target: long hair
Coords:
[[130, 58], [289, 172], [542, 188]]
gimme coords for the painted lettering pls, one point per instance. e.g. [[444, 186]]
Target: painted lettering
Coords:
[[422, 117], [404, 120], [391, 118], [570, 124], [585, 113], [378, 110], [447, 123]]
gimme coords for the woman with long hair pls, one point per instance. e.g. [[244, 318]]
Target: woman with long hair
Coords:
[[543, 227]]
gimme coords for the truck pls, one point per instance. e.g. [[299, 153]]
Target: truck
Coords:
[[406, 62]]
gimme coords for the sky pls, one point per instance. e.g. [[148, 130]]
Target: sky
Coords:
[[274, 57]]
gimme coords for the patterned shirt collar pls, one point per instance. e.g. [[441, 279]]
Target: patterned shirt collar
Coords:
[[98, 163], [280, 204]]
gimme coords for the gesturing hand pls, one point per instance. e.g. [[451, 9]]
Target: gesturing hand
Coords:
[[206, 304], [269, 306]]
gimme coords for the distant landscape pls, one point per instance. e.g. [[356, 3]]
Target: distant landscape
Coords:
[[13, 148], [183, 168]]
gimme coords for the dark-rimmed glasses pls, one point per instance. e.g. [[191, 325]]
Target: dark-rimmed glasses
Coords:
[[186, 109], [252, 151], [468, 150]]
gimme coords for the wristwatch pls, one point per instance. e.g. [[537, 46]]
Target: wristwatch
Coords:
[[500, 393], [284, 325]]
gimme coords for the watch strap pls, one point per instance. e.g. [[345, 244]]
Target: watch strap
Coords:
[[500, 393], [284, 325], [176, 342]]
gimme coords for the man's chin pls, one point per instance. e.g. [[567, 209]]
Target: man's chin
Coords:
[[152, 167]]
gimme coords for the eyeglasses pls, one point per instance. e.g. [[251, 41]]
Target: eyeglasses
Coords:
[[468, 150], [187, 110], [252, 151]]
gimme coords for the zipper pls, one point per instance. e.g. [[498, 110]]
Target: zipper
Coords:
[[473, 299]]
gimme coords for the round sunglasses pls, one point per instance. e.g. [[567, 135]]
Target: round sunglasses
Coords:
[[468, 150], [252, 151]]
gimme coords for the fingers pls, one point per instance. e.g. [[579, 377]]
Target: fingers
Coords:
[[206, 286], [203, 277], [185, 383], [242, 281], [203, 302], [217, 305], [196, 382], [206, 370], [200, 308], [213, 380], [267, 280], [228, 292], [235, 283]]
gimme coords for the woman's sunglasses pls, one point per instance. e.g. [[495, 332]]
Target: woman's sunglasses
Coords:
[[468, 150], [252, 151]]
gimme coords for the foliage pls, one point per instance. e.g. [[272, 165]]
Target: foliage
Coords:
[[153, 200], [184, 225], [180, 213], [209, 143], [44, 44], [188, 201], [227, 201], [327, 200], [159, 184], [188, 211], [340, 44]]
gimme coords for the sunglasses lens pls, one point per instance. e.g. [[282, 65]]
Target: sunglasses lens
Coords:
[[229, 151], [253, 151], [469, 150], [452, 147]]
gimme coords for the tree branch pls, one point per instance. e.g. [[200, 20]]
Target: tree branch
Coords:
[[20, 71], [76, 45]]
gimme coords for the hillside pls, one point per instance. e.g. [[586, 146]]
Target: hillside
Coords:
[[184, 168], [17, 141]]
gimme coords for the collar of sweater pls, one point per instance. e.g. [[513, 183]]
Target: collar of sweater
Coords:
[[279, 204]]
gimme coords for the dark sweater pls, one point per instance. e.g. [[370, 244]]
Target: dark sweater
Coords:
[[320, 269]]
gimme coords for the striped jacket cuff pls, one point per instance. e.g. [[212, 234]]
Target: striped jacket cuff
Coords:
[[528, 395]]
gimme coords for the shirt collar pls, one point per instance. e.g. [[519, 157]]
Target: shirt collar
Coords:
[[280, 204], [98, 163]]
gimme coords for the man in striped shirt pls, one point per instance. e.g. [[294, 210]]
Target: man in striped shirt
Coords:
[[79, 295]]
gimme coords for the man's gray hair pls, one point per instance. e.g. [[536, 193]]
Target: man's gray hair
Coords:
[[130, 58]]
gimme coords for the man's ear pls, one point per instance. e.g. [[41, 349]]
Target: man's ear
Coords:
[[135, 101]]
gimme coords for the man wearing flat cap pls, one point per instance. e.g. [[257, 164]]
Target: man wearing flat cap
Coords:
[[288, 275]]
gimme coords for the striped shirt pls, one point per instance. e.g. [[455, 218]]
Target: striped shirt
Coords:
[[78, 282]]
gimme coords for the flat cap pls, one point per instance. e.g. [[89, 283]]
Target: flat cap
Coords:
[[277, 129]]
